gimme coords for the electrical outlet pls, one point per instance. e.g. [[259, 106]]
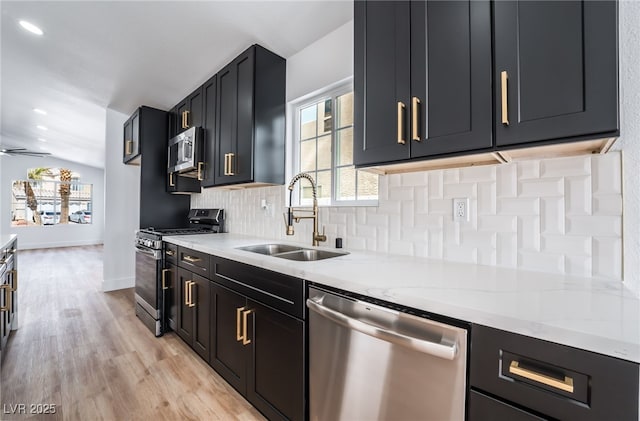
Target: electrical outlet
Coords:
[[461, 209]]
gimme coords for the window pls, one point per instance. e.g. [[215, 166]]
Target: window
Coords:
[[323, 148]]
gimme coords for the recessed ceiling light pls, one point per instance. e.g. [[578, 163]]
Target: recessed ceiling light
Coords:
[[39, 111], [42, 140], [31, 27], [43, 148], [42, 127]]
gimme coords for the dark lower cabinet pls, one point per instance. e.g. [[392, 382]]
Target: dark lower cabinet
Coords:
[[516, 377], [193, 311], [556, 63], [258, 349], [8, 292], [171, 294]]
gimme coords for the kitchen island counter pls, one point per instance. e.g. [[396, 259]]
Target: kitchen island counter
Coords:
[[594, 314]]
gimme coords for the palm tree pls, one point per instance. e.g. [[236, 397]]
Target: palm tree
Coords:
[[65, 192], [34, 174]]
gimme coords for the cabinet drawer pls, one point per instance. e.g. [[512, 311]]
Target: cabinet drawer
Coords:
[[485, 408], [195, 261], [551, 379], [171, 253], [282, 292]]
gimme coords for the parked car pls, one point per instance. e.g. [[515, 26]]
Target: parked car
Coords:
[[81, 217], [49, 217]]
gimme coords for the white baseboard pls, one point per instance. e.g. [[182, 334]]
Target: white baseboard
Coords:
[[114, 284], [33, 246]]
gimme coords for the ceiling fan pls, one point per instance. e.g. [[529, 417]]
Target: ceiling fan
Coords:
[[22, 151]]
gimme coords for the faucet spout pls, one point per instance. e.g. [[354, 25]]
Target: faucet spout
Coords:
[[291, 217]]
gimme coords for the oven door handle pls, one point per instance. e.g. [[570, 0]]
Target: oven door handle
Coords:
[[148, 252]]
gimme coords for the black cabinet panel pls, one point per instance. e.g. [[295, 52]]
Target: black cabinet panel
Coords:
[[228, 354], [172, 294], [276, 369], [209, 92], [225, 121], [575, 384], [381, 84], [560, 59], [485, 408], [186, 315], [450, 77], [200, 296], [241, 163]]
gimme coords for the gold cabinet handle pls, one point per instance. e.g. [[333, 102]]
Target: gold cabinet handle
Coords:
[[401, 108], [171, 183], [231, 155], [239, 336], [128, 147], [191, 303], [164, 278], [169, 252], [191, 259], [415, 111], [186, 293], [200, 165], [226, 162], [504, 78], [14, 272], [186, 119], [245, 316], [565, 385], [182, 124], [7, 297]]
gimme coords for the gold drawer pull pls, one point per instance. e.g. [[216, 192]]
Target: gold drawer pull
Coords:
[[191, 259], [566, 385], [129, 147], [415, 108], [169, 252], [186, 293], [239, 336], [504, 78], [15, 280], [164, 278], [245, 315], [7, 297], [401, 108], [171, 183], [191, 303], [200, 165]]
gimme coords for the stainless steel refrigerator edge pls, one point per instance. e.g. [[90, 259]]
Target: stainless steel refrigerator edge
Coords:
[[368, 362]]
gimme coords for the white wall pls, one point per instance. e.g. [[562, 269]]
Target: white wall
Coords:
[[62, 235], [122, 198], [629, 141]]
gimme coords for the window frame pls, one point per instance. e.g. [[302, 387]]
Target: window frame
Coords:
[[331, 92]]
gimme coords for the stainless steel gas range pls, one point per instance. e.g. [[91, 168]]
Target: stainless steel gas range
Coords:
[[149, 291]]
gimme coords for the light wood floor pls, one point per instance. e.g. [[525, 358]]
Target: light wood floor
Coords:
[[85, 352]]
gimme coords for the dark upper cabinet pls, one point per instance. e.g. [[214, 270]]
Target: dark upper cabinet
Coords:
[[422, 79], [178, 184], [189, 111], [209, 97], [250, 117], [173, 122], [131, 140], [557, 63]]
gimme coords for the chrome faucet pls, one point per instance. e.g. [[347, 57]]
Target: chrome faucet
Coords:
[[290, 217]]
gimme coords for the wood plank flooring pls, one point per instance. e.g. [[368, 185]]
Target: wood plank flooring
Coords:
[[85, 352]]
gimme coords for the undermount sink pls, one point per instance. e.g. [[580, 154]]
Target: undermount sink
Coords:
[[270, 249], [285, 251]]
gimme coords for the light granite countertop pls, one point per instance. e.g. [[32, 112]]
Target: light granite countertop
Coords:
[[598, 315]]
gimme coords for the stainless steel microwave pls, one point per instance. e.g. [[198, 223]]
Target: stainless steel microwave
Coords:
[[185, 153]]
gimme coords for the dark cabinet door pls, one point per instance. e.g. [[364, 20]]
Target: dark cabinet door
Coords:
[[194, 109], [451, 104], [186, 313], [200, 297], [485, 408], [174, 122], [172, 295], [209, 90], [226, 117], [131, 138], [181, 115], [382, 81], [556, 63], [234, 123], [5, 315], [228, 353], [276, 365]]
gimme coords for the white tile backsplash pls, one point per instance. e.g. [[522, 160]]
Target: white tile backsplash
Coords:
[[560, 215]]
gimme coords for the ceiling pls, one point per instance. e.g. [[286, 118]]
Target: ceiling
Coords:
[[121, 54]]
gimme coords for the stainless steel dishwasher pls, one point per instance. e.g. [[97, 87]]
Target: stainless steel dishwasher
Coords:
[[368, 362]]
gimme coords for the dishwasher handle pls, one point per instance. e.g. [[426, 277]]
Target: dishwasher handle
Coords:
[[440, 350]]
